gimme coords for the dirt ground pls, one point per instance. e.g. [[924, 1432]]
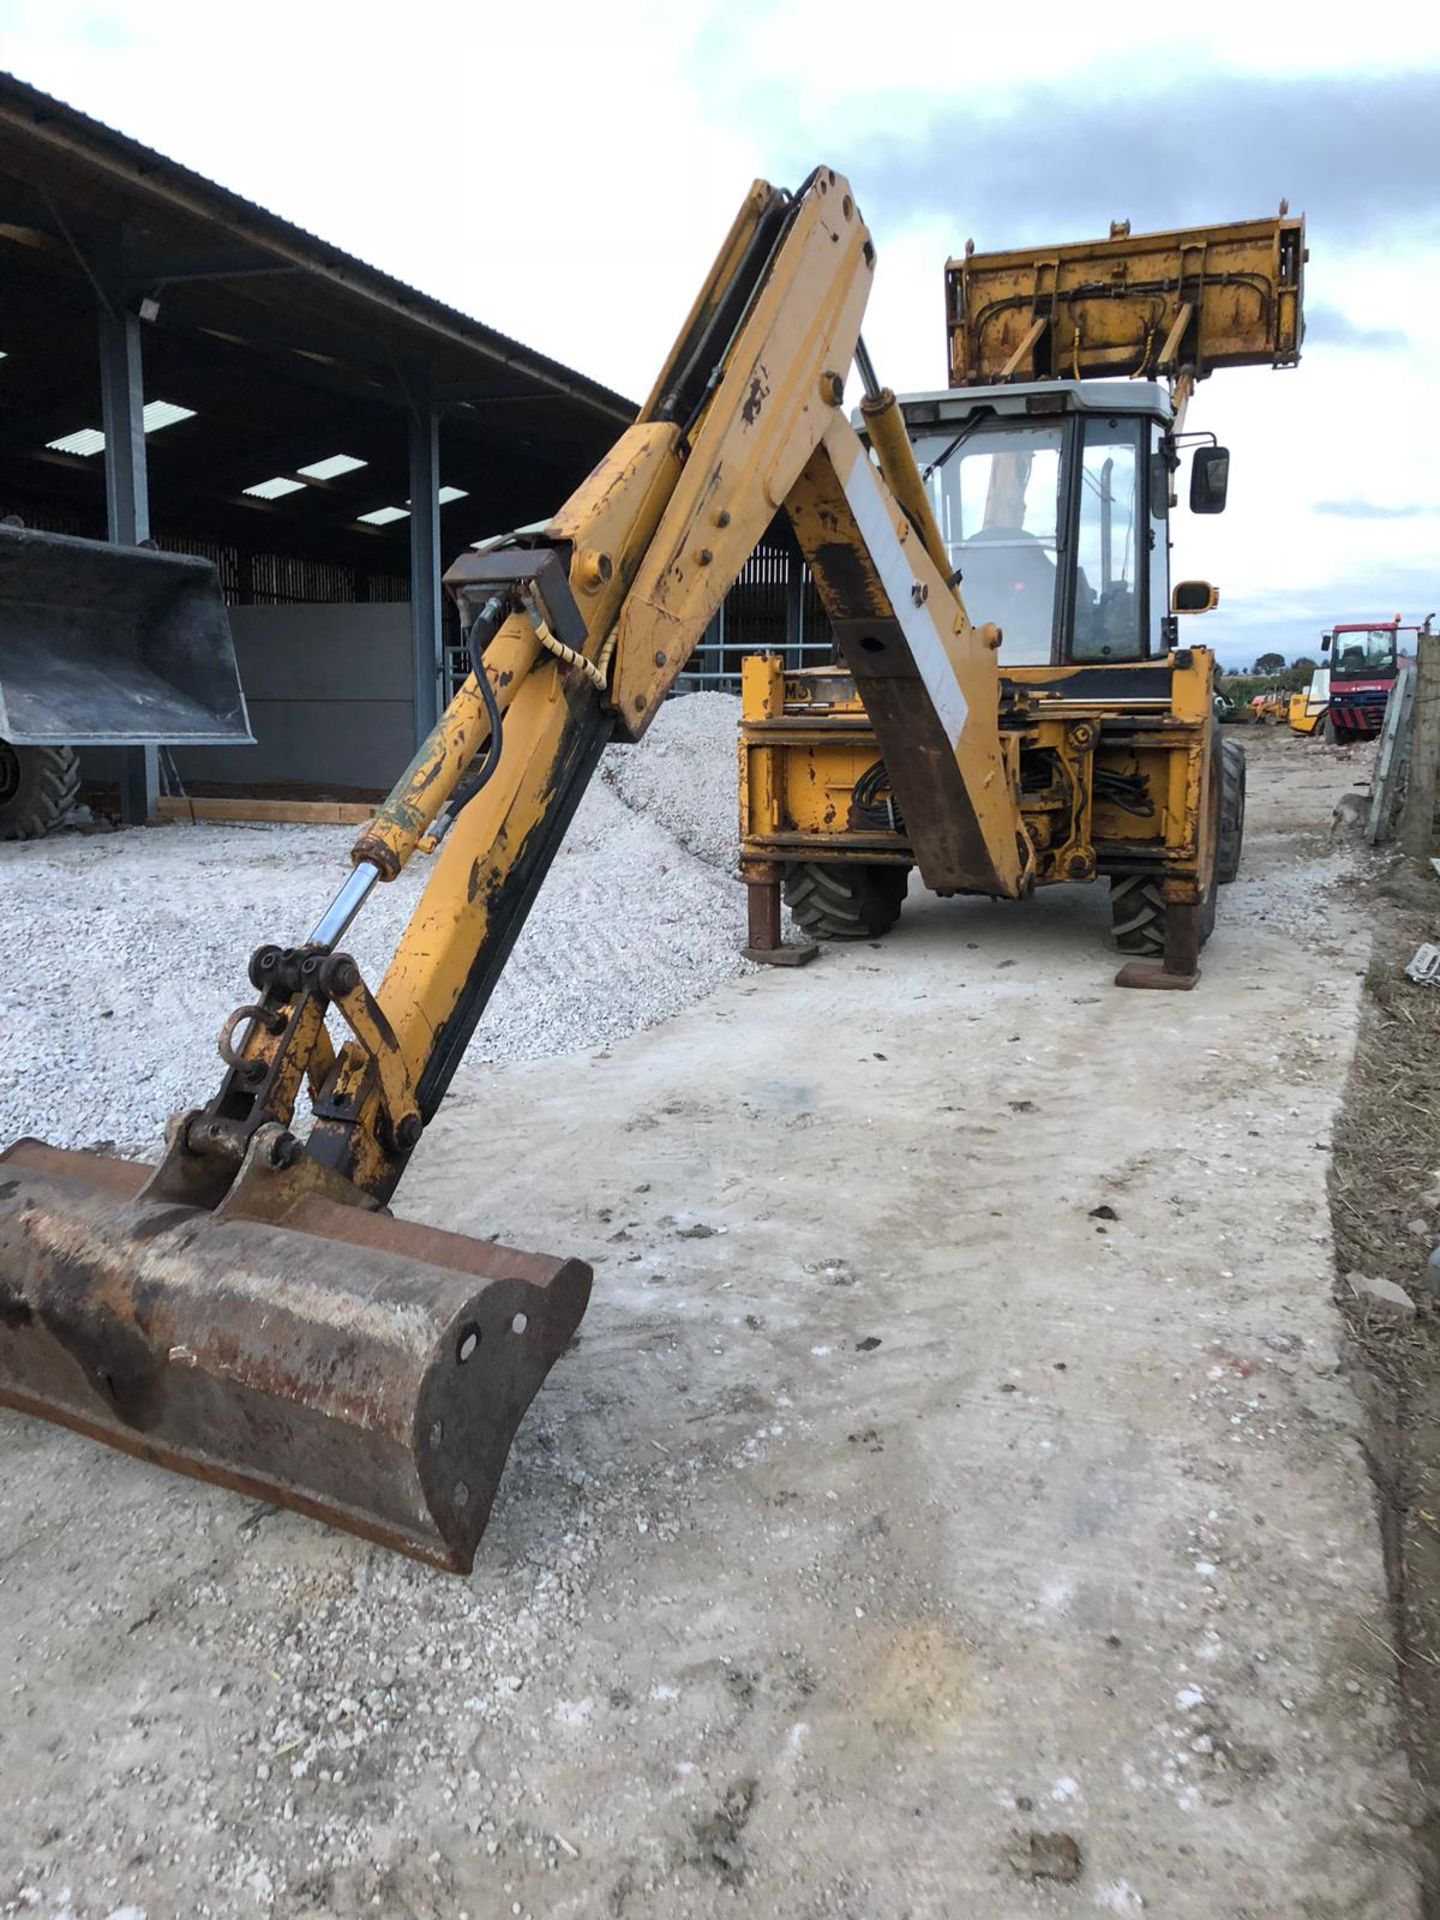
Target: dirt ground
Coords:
[[956, 1503], [1385, 1204]]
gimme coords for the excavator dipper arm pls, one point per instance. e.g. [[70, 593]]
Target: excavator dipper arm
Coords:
[[249, 1312]]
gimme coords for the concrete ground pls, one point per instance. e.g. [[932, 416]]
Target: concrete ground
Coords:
[[952, 1506]]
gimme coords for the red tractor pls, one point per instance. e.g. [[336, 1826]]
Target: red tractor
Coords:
[[1364, 660]]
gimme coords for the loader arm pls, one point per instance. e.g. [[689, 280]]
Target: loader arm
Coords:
[[275, 1331]]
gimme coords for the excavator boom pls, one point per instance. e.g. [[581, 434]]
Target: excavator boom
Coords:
[[250, 1311]]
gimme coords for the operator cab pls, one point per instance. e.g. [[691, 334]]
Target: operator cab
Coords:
[[1054, 507]]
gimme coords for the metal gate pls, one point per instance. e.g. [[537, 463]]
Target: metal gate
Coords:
[[773, 607]]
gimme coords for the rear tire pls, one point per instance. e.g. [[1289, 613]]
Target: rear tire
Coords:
[[1137, 915], [38, 787], [1232, 810], [835, 900], [1137, 900]]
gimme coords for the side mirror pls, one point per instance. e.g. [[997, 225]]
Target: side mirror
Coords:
[[1209, 479], [1194, 596], [1325, 640]]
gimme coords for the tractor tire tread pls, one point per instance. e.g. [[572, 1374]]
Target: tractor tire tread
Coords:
[[47, 788], [1232, 811], [1137, 915], [843, 900]]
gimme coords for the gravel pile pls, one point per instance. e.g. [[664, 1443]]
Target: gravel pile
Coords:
[[124, 952], [683, 774]]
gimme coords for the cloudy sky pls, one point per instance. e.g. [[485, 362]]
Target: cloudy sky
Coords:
[[565, 173]]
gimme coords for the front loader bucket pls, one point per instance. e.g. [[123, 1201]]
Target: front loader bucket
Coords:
[[106, 645], [361, 1369]]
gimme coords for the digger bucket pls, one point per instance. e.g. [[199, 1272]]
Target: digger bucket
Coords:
[[105, 645], [363, 1370]]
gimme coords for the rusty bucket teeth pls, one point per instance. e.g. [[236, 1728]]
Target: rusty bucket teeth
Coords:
[[360, 1369]]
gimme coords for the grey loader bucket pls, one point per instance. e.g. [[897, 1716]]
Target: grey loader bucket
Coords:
[[104, 645]]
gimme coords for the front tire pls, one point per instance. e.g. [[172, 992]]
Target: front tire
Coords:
[[840, 900], [38, 787]]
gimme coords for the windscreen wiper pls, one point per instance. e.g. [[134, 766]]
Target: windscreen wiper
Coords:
[[972, 426]]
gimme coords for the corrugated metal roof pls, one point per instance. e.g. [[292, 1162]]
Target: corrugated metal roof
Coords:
[[153, 178]]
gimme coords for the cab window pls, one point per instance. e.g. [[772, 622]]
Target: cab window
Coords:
[[1360, 652], [996, 494], [1112, 548], [1159, 541]]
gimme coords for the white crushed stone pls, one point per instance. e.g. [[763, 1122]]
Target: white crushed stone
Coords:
[[684, 772], [124, 952]]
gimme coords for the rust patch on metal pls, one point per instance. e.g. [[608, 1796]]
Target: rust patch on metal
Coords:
[[850, 588]]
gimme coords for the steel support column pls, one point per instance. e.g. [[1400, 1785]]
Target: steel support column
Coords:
[[127, 508], [426, 636]]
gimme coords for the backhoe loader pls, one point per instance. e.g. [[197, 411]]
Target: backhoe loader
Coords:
[[1047, 487], [250, 1311]]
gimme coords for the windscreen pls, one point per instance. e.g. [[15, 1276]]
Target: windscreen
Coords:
[[995, 490], [1363, 651]]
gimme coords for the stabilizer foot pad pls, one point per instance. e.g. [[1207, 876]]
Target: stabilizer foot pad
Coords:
[[1151, 973], [796, 956]]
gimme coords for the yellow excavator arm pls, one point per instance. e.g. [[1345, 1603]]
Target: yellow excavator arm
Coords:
[[249, 1311], [578, 633]]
